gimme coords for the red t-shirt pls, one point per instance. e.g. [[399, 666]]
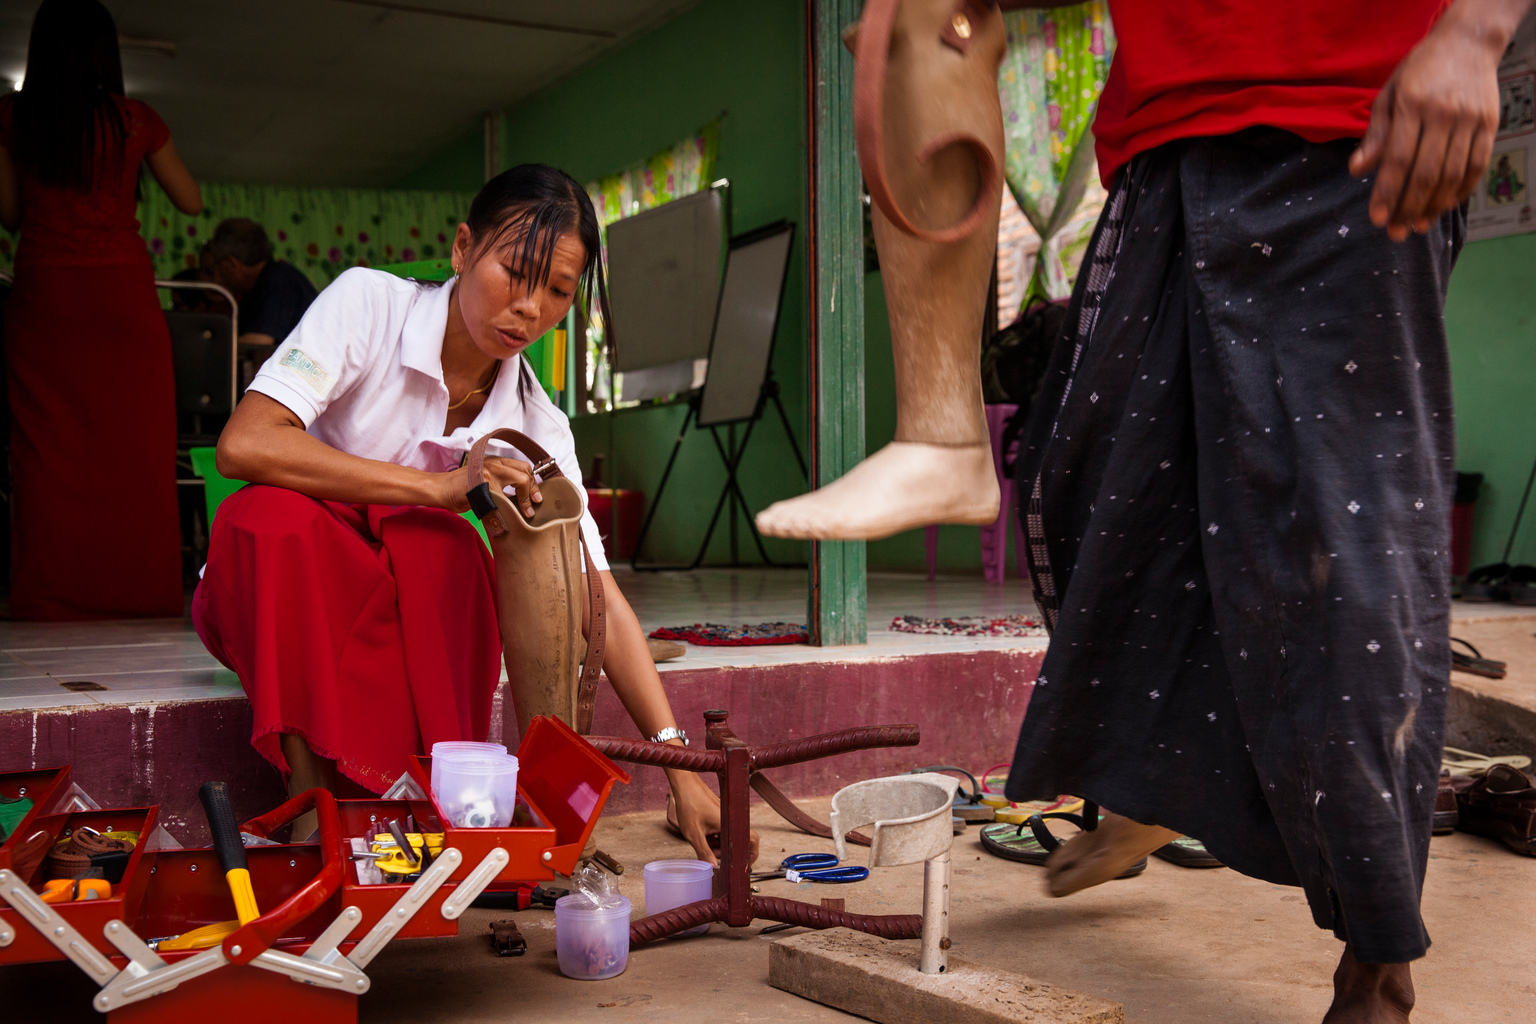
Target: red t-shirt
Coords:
[[1212, 67], [99, 226]]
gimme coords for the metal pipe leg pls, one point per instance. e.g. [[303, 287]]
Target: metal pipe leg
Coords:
[[935, 956]]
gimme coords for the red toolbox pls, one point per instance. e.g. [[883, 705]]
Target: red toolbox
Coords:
[[320, 925]]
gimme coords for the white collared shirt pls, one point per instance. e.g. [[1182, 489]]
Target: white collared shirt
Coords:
[[363, 370]]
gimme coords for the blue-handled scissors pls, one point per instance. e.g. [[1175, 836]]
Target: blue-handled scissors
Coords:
[[814, 867]]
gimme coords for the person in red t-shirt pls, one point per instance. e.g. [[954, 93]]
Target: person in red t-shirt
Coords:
[[87, 351], [1241, 463]]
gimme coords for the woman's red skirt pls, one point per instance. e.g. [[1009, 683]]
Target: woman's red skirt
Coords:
[[95, 532], [368, 630]]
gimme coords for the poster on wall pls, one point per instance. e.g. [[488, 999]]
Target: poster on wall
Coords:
[[1501, 204]]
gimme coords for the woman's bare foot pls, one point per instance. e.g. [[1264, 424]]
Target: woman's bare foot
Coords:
[[1370, 993], [902, 486], [1092, 858]]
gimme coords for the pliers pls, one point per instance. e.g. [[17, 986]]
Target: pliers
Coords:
[[814, 867]]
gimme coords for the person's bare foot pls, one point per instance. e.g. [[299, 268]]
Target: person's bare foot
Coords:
[[904, 485], [1092, 858], [1370, 993]]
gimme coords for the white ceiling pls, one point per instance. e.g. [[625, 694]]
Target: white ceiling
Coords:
[[337, 92]]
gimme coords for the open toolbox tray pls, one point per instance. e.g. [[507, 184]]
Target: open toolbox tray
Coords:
[[88, 917], [564, 782], [49, 790], [322, 925]]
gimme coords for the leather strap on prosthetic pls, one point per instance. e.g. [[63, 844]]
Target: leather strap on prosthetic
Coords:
[[951, 39], [493, 515]]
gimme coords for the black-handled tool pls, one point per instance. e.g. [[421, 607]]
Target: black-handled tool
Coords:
[[231, 851]]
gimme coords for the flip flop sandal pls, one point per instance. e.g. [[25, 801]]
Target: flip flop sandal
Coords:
[[1032, 842], [1465, 762], [1522, 585], [1487, 583], [1475, 663], [1187, 852]]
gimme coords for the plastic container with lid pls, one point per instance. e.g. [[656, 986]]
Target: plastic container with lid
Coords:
[[475, 790], [670, 884], [592, 943], [444, 749]]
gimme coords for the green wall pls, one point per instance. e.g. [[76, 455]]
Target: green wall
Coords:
[[1490, 318], [459, 168]]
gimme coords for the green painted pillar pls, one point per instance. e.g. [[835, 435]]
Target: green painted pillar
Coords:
[[835, 256]]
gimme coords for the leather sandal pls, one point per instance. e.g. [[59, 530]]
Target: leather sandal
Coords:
[[664, 650], [1502, 806]]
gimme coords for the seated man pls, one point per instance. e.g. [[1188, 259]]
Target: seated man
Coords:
[[189, 300], [273, 295]]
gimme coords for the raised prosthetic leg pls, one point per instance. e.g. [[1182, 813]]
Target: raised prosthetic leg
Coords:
[[930, 139]]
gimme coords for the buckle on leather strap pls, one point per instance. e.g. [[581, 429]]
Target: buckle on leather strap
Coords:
[[480, 501], [543, 467]]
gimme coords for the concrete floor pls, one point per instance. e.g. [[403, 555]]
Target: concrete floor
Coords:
[[1176, 946]]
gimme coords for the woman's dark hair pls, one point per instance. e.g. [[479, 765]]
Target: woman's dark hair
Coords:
[[531, 206], [66, 108]]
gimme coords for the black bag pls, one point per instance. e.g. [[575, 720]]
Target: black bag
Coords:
[[1013, 364], [1013, 360]]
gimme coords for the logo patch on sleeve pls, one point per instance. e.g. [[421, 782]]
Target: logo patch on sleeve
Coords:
[[312, 372]]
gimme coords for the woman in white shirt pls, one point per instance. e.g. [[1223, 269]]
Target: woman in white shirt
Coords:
[[342, 586]]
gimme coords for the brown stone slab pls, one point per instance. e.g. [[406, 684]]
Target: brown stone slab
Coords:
[[878, 979]]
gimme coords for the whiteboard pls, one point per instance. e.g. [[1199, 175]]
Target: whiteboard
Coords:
[[664, 279], [745, 324]]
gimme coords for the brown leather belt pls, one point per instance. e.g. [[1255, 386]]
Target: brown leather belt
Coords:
[[72, 858]]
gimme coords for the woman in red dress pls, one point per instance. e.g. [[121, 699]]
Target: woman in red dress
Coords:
[[343, 588], [87, 352]]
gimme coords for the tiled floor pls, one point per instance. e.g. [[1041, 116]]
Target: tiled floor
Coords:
[[163, 660]]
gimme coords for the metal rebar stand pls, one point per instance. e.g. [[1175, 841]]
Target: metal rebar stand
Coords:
[[736, 765]]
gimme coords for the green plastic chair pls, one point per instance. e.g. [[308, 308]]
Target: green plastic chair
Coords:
[[216, 486]]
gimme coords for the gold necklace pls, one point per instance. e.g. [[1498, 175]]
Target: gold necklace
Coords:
[[495, 372]]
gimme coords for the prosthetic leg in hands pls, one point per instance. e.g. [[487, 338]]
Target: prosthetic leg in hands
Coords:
[[930, 140], [538, 600]]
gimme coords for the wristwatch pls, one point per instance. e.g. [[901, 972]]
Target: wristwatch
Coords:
[[671, 732]]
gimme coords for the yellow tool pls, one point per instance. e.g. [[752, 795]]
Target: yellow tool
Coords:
[[206, 937], [231, 851], [392, 860]]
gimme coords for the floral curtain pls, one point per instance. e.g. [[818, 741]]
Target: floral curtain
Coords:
[[679, 170], [1050, 82], [322, 231]]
